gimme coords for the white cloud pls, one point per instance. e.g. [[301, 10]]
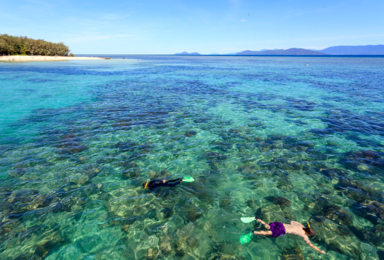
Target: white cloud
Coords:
[[243, 20]]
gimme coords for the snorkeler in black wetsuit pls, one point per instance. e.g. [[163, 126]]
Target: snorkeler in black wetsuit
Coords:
[[157, 183]]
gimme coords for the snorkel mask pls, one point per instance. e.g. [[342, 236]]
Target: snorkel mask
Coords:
[[146, 184]]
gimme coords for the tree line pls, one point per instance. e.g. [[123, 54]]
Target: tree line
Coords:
[[12, 45]]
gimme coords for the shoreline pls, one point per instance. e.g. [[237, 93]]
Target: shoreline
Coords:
[[17, 59]]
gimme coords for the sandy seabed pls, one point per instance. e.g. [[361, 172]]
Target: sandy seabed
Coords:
[[14, 58]]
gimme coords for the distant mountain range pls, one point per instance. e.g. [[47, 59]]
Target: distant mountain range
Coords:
[[292, 51], [355, 50], [188, 53], [336, 50]]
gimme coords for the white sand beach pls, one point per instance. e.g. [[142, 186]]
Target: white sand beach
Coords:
[[15, 58]]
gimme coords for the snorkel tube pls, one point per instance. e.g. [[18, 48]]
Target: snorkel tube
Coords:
[[146, 184]]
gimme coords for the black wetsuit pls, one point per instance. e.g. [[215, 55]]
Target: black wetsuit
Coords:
[[157, 183]]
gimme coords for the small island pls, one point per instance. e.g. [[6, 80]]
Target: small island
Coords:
[[23, 49], [188, 53]]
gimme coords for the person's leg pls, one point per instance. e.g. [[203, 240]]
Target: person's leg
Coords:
[[264, 233], [172, 183], [265, 224]]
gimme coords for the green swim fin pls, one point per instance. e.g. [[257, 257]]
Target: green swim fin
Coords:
[[245, 239], [188, 178], [248, 220]]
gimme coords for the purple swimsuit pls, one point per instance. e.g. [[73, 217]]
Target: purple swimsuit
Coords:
[[277, 229]]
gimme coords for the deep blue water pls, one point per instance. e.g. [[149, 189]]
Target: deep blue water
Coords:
[[265, 136]]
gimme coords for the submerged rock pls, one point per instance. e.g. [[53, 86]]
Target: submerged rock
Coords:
[[281, 201], [125, 228], [146, 147], [322, 131], [192, 243], [222, 145], [372, 211], [294, 253], [366, 235], [91, 244], [337, 214], [90, 189], [127, 146], [326, 233], [166, 246], [71, 144], [201, 120], [252, 204], [270, 213], [43, 250], [152, 253], [332, 172], [165, 213], [48, 243], [226, 249], [18, 172], [357, 191], [289, 215], [380, 254], [368, 161], [209, 155], [299, 146], [284, 184], [269, 145], [78, 178], [343, 231], [131, 170], [190, 133], [91, 170], [257, 125], [194, 213]]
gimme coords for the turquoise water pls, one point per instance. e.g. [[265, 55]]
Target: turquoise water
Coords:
[[262, 136]]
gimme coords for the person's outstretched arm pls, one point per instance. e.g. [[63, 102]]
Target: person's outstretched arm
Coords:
[[265, 224], [306, 239], [264, 233]]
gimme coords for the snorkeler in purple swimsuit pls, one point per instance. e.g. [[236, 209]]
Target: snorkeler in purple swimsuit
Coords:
[[276, 229]]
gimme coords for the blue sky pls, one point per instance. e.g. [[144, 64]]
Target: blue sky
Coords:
[[170, 26]]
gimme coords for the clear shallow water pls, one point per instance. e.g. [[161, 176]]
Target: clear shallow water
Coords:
[[265, 136]]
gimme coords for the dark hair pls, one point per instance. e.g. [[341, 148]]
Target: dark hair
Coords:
[[309, 231]]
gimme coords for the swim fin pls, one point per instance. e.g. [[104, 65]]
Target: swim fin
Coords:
[[245, 239], [248, 220], [188, 178]]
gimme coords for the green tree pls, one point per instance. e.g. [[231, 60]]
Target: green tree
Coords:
[[24, 45], [3, 46]]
